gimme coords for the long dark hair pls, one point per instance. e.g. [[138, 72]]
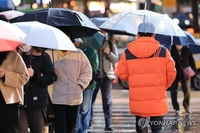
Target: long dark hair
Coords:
[[3, 56]]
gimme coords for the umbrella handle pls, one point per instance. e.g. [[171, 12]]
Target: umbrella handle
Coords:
[[52, 56], [145, 5], [35, 17]]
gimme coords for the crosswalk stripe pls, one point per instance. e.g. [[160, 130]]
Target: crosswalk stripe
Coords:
[[124, 122]]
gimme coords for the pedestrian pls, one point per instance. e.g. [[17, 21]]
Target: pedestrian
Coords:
[[85, 107], [41, 71], [74, 73], [150, 70], [13, 75], [183, 58], [108, 56]]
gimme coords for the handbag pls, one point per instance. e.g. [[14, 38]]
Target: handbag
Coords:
[[188, 72], [50, 113]]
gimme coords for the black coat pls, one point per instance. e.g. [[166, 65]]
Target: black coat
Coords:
[[35, 91], [186, 59]]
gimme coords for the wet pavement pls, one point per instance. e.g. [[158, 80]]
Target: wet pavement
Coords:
[[124, 122]]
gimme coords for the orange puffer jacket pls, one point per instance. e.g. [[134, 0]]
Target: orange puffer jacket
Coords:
[[148, 74]]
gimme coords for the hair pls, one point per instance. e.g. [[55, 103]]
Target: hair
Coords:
[[38, 49], [3, 17], [3, 56], [145, 34]]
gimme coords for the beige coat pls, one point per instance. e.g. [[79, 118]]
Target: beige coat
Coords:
[[73, 69], [16, 75]]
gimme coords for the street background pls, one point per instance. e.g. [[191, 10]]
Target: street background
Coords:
[[124, 122]]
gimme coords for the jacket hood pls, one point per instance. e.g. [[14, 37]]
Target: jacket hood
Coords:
[[143, 47]]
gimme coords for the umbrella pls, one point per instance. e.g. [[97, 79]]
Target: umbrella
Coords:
[[78, 23], [10, 36], [45, 36], [11, 14], [96, 41], [100, 20], [195, 49], [128, 21], [168, 40]]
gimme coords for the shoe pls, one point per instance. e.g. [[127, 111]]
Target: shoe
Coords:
[[109, 128], [90, 125], [177, 111], [187, 110]]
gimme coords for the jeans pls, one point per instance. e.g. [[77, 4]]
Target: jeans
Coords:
[[186, 92], [32, 118], [83, 120], [142, 124], [105, 84]]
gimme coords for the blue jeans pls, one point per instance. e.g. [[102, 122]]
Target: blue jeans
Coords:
[[84, 112]]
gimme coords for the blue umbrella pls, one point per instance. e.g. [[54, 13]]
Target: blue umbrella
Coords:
[[195, 49], [167, 40], [96, 41]]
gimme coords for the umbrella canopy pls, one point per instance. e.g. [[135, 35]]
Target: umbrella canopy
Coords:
[[168, 40], [45, 36], [96, 41], [128, 22], [195, 49], [100, 20], [10, 36], [11, 14], [78, 23]]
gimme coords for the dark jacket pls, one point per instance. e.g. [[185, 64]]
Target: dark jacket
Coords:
[[185, 58], [35, 91]]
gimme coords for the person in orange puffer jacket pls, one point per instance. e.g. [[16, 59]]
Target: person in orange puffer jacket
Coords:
[[150, 70]]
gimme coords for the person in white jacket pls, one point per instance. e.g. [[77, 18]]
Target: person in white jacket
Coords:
[[74, 74]]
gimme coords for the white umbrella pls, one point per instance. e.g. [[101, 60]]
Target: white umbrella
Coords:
[[128, 21], [11, 14], [45, 36]]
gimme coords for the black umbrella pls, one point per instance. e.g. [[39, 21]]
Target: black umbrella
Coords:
[[78, 23]]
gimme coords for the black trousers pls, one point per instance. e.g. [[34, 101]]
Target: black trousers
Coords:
[[34, 119], [186, 91], [155, 123], [9, 118], [66, 118]]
